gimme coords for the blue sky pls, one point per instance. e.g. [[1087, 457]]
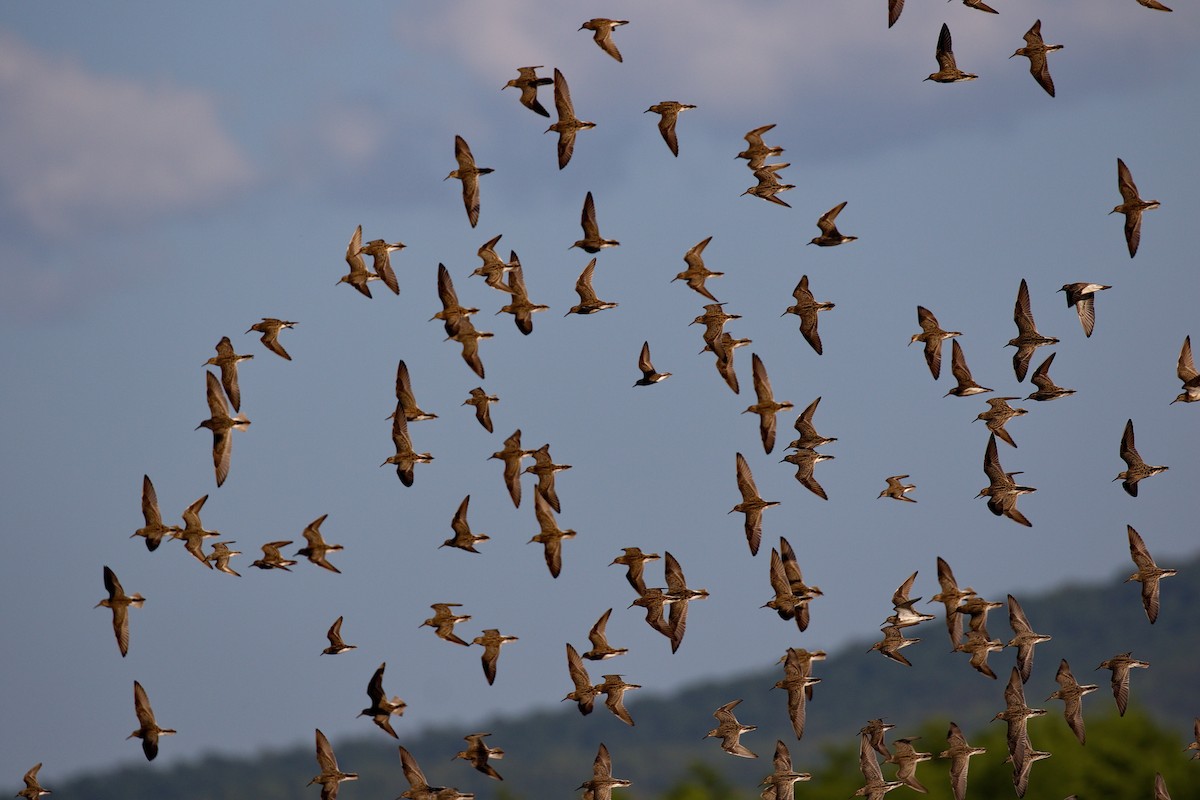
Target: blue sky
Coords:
[[168, 181]]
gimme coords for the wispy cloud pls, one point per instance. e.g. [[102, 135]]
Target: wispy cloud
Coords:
[[84, 150]]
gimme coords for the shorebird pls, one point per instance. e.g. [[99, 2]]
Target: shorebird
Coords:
[[602, 30], [148, 730], [807, 308], [550, 536], [905, 615], [330, 776], [493, 268], [1024, 638], [153, 530], [568, 124], [453, 315], [511, 455], [463, 539], [545, 468], [601, 649], [1148, 573], [635, 562], [757, 151], [1027, 339], [655, 601], [119, 603], [723, 348], [1071, 692], [806, 461], [592, 241], [809, 438], [977, 609], [1131, 205], [194, 533], [1194, 746], [752, 504], [221, 425], [678, 595], [1120, 665], [933, 336], [650, 375], [406, 401], [874, 786], [948, 71], [418, 787], [382, 709], [729, 731], [767, 407], [1002, 491], [478, 754], [1023, 762], [482, 401], [1186, 370], [614, 689], [874, 732], [906, 758], [528, 82], [521, 307], [33, 790], [1160, 785], [713, 319], [797, 664], [1046, 388], [782, 780], [1153, 4], [405, 458], [1035, 50], [979, 5], [589, 303], [966, 385], [979, 645], [830, 237], [1137, 469], [892, 642], [1082, 296], [336, 645], [669, 111], [798, 685], [381, 261], [1000, 412], [696, 273], [358, 276], [959, 753], [897, 490], [316, 546], [786, 601], [272, 559], [584, 693], [894, 9], [1016, 715], [951, 597], [220, 556], [469, 174], [444, 620], [805, 593], [270, 328], [491, 640], [468, 337], [769, 185], [602, 783]]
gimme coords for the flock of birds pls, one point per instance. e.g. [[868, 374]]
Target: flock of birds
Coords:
[[666, 608]]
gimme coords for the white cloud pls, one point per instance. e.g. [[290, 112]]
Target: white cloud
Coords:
[[84, 150]]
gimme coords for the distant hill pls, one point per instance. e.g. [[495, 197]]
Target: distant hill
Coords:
[[553, 751]]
